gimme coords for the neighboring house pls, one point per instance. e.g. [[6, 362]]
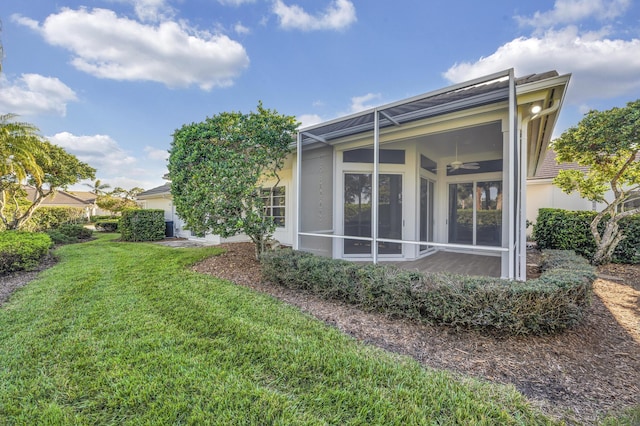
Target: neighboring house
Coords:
[[542, 193], [446, 170], [160, 198], [90, 198], [64, 199]]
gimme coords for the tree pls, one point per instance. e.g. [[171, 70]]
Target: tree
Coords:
[[97, 187], [47, 169], [19, 142], [126, 194], [218, 168], [115, 204], [607, 142], [119, 199]]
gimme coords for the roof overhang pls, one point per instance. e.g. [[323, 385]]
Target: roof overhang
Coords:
[[548, 93], [481, 91], [545, 88]]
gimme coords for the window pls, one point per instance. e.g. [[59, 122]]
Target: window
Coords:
[[365, 155], [274, 204], [633, 202]]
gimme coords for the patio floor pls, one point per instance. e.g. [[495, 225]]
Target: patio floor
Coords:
[[458, 263]]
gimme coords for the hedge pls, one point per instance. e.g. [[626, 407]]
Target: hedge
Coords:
[[107, 225], [69, 234], [556, 300], [570, 230], [45, 218], [142, 225], [20, 250]]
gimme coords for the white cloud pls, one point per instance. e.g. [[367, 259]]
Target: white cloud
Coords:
[[34, 94], [115, 166], [307, 120], [152, 10], [108, 46], [339, 15], [573, 11], [156, 154], [359, 103], [99, 151], [241, 29], [600, 67]]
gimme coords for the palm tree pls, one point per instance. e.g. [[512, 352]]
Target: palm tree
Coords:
[[19, 144], [97, 187], [132, 193]]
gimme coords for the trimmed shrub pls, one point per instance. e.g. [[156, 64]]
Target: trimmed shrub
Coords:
[[98, 218], [107, 225], [69, 234], [551, 303], [570, 230], [142, 225], [45, 218], [21, 250]]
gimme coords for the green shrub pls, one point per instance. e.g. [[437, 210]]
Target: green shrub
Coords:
[[69, 234], [107, 225], [98, 218], [21, 250], [45, 218], [551, 303], [142, 225], [570, 230]]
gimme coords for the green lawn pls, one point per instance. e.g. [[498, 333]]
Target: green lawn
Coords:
[[123, 333]]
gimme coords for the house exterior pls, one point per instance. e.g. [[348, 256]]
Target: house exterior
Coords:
[[445, 170], [160, 198], [542, 193], [79, 199]]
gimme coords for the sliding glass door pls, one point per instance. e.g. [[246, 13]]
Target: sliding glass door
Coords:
[[357, 212], [475, 213]]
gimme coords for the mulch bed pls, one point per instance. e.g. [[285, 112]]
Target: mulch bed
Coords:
[[576, 376], [12, 282]]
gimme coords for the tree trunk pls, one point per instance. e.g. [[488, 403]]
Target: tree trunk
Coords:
[[607, 242], [258, 242]]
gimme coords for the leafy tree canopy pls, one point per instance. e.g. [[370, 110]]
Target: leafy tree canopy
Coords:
[[607, 142], [115, 204], [97, 187], [217, 168], [27, 158]]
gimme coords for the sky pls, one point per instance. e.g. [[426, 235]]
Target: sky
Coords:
[[111, 80]]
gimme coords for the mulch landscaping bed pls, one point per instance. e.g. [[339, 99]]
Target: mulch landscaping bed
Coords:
[[577, 375]]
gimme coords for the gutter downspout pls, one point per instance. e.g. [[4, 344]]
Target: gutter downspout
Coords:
[[521, 270]]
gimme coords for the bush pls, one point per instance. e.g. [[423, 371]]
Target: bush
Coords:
[[99, 218], [570, 230], [45, 218], [142, 225], [107, 225], [69, 234], [551, 303], [21, 250]]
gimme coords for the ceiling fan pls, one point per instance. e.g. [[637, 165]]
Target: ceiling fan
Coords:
[[457, 164]]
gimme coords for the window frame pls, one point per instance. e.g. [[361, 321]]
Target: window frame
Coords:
[[268, 196]]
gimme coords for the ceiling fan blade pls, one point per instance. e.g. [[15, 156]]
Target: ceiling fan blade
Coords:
[[470, 166]]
